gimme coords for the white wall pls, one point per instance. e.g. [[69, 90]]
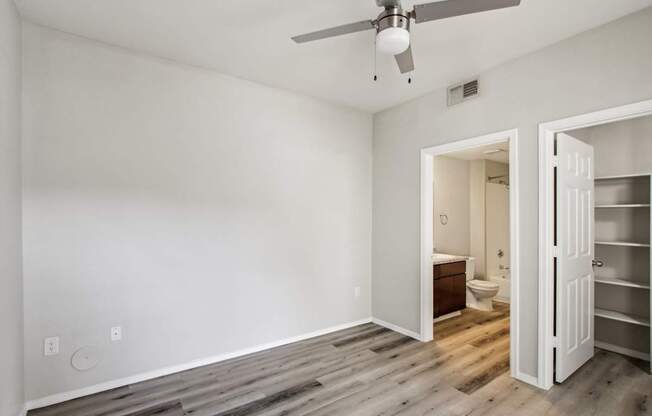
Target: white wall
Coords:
[[451, 198], [203, 213], [620, 148], [494, 169], [605, 67], [11, 304]]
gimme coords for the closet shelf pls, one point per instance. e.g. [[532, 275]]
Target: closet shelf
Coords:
[[623, 209], [621, 243], [612, 177], [622, 282], [623, 206], [622, 317]]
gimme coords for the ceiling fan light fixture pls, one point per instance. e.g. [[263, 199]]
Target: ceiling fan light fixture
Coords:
[[393, 24], [393, 40]]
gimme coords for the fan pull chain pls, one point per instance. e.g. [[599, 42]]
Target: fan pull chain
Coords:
[[375, 59]]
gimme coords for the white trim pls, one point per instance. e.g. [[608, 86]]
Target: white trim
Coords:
[[526, 378], [447, 316], [515, 257], [546, 252], [23, 411], [427, 207], [97, 388], [547, 133], [396, 328], [622, 350], [427, 155]]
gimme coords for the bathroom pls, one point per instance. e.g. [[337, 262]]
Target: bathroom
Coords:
[[471, 231]]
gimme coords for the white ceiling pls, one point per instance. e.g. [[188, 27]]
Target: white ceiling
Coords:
[[250, 39], [478, 153]]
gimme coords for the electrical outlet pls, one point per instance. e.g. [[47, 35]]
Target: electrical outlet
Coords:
[[51, 346], [116, 333], [356, 291]]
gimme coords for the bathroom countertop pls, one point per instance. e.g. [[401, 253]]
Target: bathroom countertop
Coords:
[[441, 258]]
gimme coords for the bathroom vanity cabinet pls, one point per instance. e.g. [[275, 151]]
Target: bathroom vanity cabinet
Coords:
[[449, 288]]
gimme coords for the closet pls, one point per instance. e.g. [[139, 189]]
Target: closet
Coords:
[[623, 167], [622, 275]]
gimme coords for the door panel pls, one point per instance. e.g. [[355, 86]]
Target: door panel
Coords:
[[574, 323], [450, 294], [458, 284], [436, 297]]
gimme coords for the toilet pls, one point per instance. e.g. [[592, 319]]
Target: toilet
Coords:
[[479, 293]]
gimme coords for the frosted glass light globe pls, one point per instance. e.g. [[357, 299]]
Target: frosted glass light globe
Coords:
[[393, 40]]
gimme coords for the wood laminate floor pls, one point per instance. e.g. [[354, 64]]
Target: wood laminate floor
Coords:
[[370, 370]]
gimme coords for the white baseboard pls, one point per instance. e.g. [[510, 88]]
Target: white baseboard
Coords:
[[447, 316], [396, 328], [624, 351], [526, 378], [97, 388]]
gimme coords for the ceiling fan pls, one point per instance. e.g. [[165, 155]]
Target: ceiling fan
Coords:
[[393, 24]]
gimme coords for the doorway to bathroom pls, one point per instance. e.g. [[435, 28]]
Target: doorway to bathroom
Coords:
[[469, 246]]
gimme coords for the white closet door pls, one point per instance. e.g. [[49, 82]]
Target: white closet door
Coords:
[[575, 331]]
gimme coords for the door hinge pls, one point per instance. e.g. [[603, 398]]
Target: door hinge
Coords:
[[555, 161], [555, 251], [555, 342]]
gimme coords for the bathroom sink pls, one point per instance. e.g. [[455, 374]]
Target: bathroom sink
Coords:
[[440, 258]]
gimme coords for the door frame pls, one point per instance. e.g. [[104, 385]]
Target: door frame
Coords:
[[547, 132], [427, 193]]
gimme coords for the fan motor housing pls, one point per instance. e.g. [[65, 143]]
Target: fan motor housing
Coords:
[[393, 17]]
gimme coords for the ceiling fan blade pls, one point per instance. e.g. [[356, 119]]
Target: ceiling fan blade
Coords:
[[405, 61], [450, 8], [388, 3], [335, 31]]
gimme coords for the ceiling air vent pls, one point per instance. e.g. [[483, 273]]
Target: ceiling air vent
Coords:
[[462, 92]]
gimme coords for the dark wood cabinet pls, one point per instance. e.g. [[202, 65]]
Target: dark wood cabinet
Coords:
[[449, 269], [436, 296], [449, 288]]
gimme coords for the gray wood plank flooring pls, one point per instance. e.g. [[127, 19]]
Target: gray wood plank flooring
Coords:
[[370, 370]]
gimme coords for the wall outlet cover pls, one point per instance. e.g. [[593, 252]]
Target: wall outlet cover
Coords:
[[51, 346], [116, 333]]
